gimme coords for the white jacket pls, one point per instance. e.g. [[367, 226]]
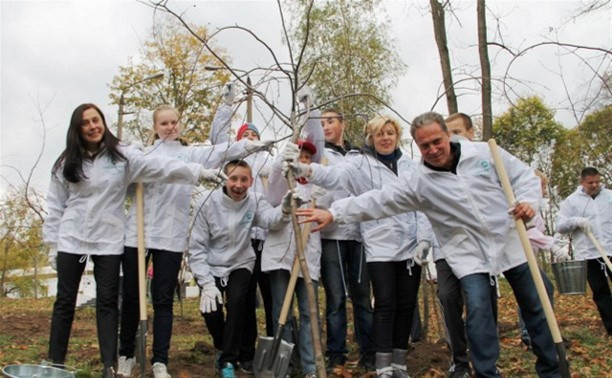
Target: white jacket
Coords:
[[89, 217], [389, 239], [468, 211], [260, 162], [220, 240], [166, 206], [599, 213], [339, 231]]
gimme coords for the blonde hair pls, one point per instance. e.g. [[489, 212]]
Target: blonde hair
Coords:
[[376, 124], [153, 134]]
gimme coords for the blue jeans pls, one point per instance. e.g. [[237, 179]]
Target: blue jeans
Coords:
[[550, 290], [344, 272], [482, 333], [279, 280]]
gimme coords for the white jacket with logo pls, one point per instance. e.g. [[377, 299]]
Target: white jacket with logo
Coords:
[[598, 211], [220, 239], [389, 239], [89, 217], [339, 231], [166, 206], [468, 211]]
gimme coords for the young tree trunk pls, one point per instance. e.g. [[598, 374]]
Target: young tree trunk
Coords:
[[437, 14], [485, 69]]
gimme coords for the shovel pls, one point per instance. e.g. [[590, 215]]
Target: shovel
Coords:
[[600, 249], [273, 354], [532, 262], [142, 296]]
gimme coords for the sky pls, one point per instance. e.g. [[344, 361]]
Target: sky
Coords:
[[55, 55]]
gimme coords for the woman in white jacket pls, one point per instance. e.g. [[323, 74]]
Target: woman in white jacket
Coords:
[[390, 244], [86, 217], [166, 233]]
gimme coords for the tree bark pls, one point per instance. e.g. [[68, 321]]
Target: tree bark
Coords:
[[437, 14], [485, 69]]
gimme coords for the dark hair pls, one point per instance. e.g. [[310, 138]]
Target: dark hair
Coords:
[[467, 121], [339, 114], [588, 171], [236, 163], [72, 157]]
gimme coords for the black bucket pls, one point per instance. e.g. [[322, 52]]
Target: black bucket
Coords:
[[571, 277]]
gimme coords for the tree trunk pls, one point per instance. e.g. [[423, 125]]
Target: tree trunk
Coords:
[[485, 69], [437, 14]]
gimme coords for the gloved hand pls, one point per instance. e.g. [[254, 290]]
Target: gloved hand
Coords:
[[258, 145], [421, 251], [291, 152], [306, 97], [210, 296], [53, 258], [298, 169], [229, 93], [561, 254], [264, 171], [215, 176], [286, 201], [584, 224]]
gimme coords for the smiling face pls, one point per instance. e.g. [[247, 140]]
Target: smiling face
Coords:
[[250, 135], [333, 128], [434, 144], [239, 180], [92, 129], [385, 140], [167, 125]]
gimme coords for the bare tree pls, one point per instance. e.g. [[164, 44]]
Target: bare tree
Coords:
[[485, 68], [439, 24]]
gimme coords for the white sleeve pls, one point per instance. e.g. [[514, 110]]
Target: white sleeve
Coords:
[[566, 221], [277, 183], [199, 246], [524, 182], [220, 129], [269, 217], [396, 198], [313, 132], [56, 204], [424, 229], [158, 168], [216, 155], [338, 176]]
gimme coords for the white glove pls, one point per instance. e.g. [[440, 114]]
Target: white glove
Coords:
[[264, 171], [210, 296], [229, 93], [53, 258], [584, 224], [291, 152], [258, 145], [306, 97], [561, 254], [286, 201], [215, 176], [298, 169], [421, 251]]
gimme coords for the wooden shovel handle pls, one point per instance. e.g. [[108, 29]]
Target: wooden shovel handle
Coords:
[[295, 270], [142, 303], [599, 248]]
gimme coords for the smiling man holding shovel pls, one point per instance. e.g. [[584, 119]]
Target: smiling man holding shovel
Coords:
[[458, 189]]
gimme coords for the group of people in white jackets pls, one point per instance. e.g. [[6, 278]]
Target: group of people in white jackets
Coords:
[[379, 215]]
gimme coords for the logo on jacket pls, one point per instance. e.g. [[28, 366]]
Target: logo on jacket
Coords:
[[247, 218]]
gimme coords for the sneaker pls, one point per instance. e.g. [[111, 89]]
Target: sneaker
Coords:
[[109, 372], [228, 371], [160, 370], [310, 375], [246, 367], [461, 373], [125, 366]]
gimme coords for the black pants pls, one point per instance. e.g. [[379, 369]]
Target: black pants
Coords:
[[249, 338], [451, 301], [69, 271], [395, 298], [166, 267], [227, 330], [600, 285]]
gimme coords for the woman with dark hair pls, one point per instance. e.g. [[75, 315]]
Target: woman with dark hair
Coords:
[[86, 219]]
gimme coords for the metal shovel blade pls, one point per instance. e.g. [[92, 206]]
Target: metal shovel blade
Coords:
[[267, 363]]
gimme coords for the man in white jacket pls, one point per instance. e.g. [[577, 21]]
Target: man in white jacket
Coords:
[[589, 208], [457, 187], [221, 257]]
